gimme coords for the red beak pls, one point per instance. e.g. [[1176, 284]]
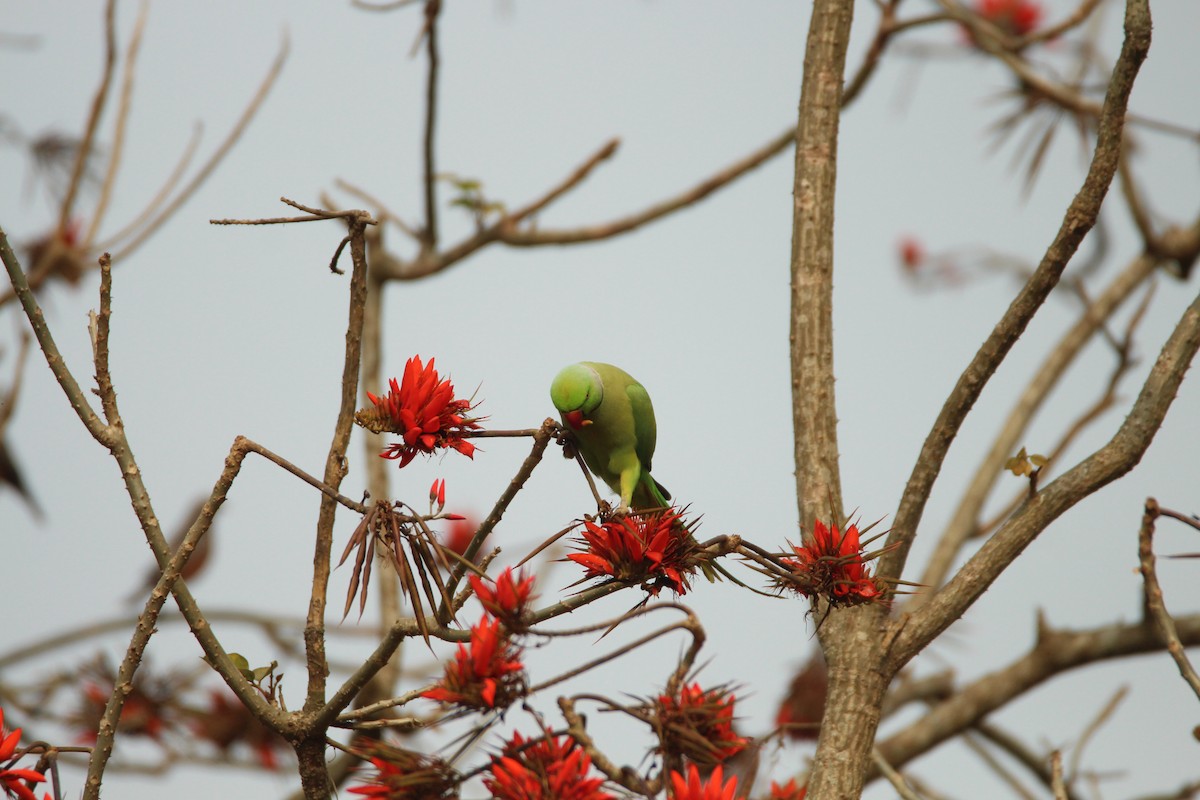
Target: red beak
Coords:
[[575, 419]]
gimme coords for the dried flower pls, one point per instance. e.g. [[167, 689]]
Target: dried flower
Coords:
[[801, 711], [692, 788], [654, 548], [486, 673], [698, 724], [508, 598], [830, 565], [405, 775], [423, 409], [552, 768], [13, 779]]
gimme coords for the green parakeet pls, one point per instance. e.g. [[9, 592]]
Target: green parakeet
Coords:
[[613, 422]]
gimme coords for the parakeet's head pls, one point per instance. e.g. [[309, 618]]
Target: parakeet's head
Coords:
[[575, 392]]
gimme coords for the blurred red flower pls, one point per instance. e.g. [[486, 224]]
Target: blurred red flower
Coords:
[[552, 768], [654, 548], [692, 788], [486, 673], [1014, 17], [912, 253], [227, 722], [145, 712], [789, 791], [421, 408]]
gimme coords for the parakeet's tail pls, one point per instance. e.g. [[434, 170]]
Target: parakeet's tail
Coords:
[[649, 493]]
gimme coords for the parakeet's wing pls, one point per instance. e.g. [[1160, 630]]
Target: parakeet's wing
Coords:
[[644, 428]]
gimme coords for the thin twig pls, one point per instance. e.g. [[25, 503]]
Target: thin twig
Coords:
[[1056, 776], [93, 123], [1154, 610], [118, 143], [1092, 728], [894, 778], [429, 233], [218, 155]]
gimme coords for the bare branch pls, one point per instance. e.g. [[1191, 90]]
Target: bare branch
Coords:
[[965, 518], [1079, 219], [1054, 653], [1114, 459]]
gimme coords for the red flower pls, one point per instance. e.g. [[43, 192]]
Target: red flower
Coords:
[[424, 411], [12, 781], [508, 598], [693, 789], [405, 775], [654, 548], [698, 724], [1014, 17], [461, 532], [549, 769], [830, 565], [228, 722], [789, 791], [487, 673], [801, 711]]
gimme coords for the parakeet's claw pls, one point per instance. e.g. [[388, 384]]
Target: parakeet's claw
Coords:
[[622, 511]]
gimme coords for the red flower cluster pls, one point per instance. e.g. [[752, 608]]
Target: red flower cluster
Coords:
[[830, 565], [228, 722], [789, 791], [508, 597], [14, 780], [698, 724], [692, 788], [421, 408], [553, 768], [654, 548], [405, 775], [1014, 17], [486, 673]]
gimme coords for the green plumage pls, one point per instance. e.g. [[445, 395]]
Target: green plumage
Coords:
[[612, 419]]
